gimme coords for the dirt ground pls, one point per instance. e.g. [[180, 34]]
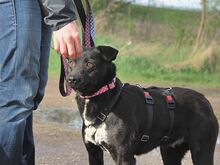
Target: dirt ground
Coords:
[[58, 141]]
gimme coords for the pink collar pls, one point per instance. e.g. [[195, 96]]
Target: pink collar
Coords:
[[101, 90]]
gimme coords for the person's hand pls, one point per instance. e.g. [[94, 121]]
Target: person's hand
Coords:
[[67, 41]]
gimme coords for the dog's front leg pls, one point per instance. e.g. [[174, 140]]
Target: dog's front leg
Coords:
[[95, 154], [127, 161], [124, 157]]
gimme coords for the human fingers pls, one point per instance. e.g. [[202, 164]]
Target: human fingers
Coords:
[[73, 43], [73, 31], [78, 47], [71, 47], [56, 44], [68, 40], [63, 48], [59, 45]]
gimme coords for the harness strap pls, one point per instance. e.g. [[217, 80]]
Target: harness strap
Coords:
[[103, 114], [150, 102], [171, 106]]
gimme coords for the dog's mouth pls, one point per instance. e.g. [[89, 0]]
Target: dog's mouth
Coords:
[[92, 89], [78, 87], [83, 87]]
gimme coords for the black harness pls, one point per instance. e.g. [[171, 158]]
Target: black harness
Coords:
[[150, 103], [171, 105]]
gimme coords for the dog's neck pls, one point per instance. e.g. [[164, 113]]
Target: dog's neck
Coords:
[[102, 90], [95, 109]]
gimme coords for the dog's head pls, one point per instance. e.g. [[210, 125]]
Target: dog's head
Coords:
[[93, 69]]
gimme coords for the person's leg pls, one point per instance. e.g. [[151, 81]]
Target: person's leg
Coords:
[[46, 34], [28, 145], [20, 49]]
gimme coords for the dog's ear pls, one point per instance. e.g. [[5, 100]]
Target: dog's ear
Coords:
[[109, 53]]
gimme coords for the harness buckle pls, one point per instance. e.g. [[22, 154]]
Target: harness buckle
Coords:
[[102, 117], [165, 138], [148, 98], [170, 102], [145, 138]]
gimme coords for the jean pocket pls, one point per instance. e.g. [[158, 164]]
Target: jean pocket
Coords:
[[7, 36], [7, 13]]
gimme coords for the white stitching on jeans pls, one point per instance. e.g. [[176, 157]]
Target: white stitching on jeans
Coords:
[[13, 12]]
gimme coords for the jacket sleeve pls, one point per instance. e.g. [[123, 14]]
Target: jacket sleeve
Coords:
[[58, 13]]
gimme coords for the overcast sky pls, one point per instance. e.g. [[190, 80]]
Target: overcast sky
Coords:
[[193, 4]]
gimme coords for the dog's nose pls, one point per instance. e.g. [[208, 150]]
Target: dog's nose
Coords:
[[73, 79]]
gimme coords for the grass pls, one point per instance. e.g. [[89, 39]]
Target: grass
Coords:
[[135, 63], [162, 15], [54, 63], [145, 70]]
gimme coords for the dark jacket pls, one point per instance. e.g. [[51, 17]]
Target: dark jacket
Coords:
[[58, 13]]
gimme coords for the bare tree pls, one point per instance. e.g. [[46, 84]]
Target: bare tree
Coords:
[[202, 23]]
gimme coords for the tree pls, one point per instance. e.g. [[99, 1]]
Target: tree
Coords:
[[202, 23]]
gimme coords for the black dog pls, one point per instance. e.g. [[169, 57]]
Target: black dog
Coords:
[[127, 120]]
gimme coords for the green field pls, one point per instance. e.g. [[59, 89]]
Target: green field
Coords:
[[155, 67]]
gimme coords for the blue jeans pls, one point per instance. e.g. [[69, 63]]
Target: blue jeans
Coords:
[[24, 53]]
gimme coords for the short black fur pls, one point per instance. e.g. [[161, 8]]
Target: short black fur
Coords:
[[195, 125]]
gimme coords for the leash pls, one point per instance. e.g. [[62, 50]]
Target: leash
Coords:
[[87, 21]]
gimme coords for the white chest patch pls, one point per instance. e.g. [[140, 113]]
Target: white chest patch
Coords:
[[177, 142], [96, 135], [86, 121]]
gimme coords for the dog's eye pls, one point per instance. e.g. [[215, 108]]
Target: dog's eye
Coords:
[[72, 64], [90, 66]]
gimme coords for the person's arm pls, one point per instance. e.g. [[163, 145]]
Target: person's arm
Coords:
[[60, 15]]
